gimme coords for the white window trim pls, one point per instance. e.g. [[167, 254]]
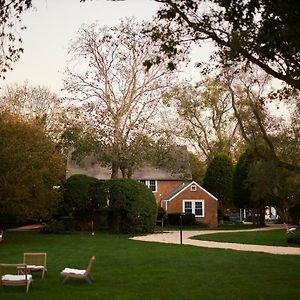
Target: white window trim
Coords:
[[194, 206], [193, 188], [147, 183]]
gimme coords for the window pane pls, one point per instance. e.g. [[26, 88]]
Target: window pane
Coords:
[[188, 207], [198, 208], [152, 185]]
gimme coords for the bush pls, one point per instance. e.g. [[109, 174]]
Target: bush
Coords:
[[79, 196], [132, 206], [62, 225], [161, 214], [187, 219], [294, 238], [294, 213]]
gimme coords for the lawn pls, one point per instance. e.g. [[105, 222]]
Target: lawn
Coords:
[[271, 238], [127, 269]]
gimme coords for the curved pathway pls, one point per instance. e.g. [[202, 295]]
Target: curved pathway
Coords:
[[173, 237]]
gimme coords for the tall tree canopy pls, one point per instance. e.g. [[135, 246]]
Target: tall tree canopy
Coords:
[[265, 33], [218, 178], [30, 165], [204, 116], [121, 97], [37, 103]]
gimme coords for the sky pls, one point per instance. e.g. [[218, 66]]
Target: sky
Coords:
[[53, 23]]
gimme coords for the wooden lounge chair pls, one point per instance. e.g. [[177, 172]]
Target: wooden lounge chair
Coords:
[[289, 229], [15, 275], [36, 262], [76, 273]]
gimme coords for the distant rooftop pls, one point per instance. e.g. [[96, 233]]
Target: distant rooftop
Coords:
[[88, 166]]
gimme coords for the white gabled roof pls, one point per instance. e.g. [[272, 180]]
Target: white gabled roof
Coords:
[[179, 190]]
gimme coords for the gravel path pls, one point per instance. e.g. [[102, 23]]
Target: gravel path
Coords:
[[173, 237]]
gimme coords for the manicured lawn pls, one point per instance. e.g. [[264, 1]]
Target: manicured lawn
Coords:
[[236, 226], [272, 238], [126, 269]]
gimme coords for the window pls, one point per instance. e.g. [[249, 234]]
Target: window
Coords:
[[151, 184], [199, 208], [193, 188], [188, 207], [195, 207]]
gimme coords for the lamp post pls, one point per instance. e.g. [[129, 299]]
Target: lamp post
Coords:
[[181, 228]]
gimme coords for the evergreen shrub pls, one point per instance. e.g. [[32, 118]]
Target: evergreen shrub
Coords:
[[294, 238], [187, 219], [132, 206]]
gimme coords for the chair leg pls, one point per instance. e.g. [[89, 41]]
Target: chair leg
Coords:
[[27, 286], [66, 278], [88, 279]]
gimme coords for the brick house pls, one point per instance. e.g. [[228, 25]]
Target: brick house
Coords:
[[174, 191], [190, 197]]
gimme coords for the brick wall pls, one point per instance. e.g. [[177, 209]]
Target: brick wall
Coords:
[[164, 187], [210, 205]]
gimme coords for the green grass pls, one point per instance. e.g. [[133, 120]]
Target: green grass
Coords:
[[127, 269], [233, 226], [271, 238]]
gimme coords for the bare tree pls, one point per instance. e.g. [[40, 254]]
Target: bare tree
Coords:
[[37, 103], [206, 117], [107, 71], [250, 93]]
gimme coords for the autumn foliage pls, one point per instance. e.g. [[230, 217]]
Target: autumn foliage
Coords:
[[30, 165]]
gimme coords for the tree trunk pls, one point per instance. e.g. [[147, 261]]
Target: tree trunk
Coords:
[[115, 170]]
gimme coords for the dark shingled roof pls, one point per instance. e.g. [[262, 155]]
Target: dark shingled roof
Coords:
[[88, 166], [176, 190]]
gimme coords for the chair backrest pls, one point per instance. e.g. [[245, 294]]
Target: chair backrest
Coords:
[[89, 267], [35, 258]]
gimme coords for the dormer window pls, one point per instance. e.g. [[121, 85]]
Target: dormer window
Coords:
[[193, 188], [151, 184]]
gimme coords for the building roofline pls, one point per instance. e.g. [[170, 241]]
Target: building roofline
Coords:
[[187, 186]]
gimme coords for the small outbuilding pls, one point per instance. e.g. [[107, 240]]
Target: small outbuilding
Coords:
[[190, 197]]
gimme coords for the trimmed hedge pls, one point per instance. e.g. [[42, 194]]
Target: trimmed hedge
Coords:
[[187, 219], [132, 206], [294, 238], [79, 196]]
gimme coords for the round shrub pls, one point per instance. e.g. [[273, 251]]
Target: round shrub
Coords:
[[294, 238], [78, 196], [61, 225], [132, 206]]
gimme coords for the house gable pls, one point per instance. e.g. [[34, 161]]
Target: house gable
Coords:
[[184, 187]]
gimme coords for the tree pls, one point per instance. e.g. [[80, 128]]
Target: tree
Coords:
[[30, 166], [240, 190], [121, 97], [205, 117], [36, 103], [264, 33], [250, 96], [197, 168], [218, 179], [10, 40]]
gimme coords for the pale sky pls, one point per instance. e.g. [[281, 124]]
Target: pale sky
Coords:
[[52, 25]]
